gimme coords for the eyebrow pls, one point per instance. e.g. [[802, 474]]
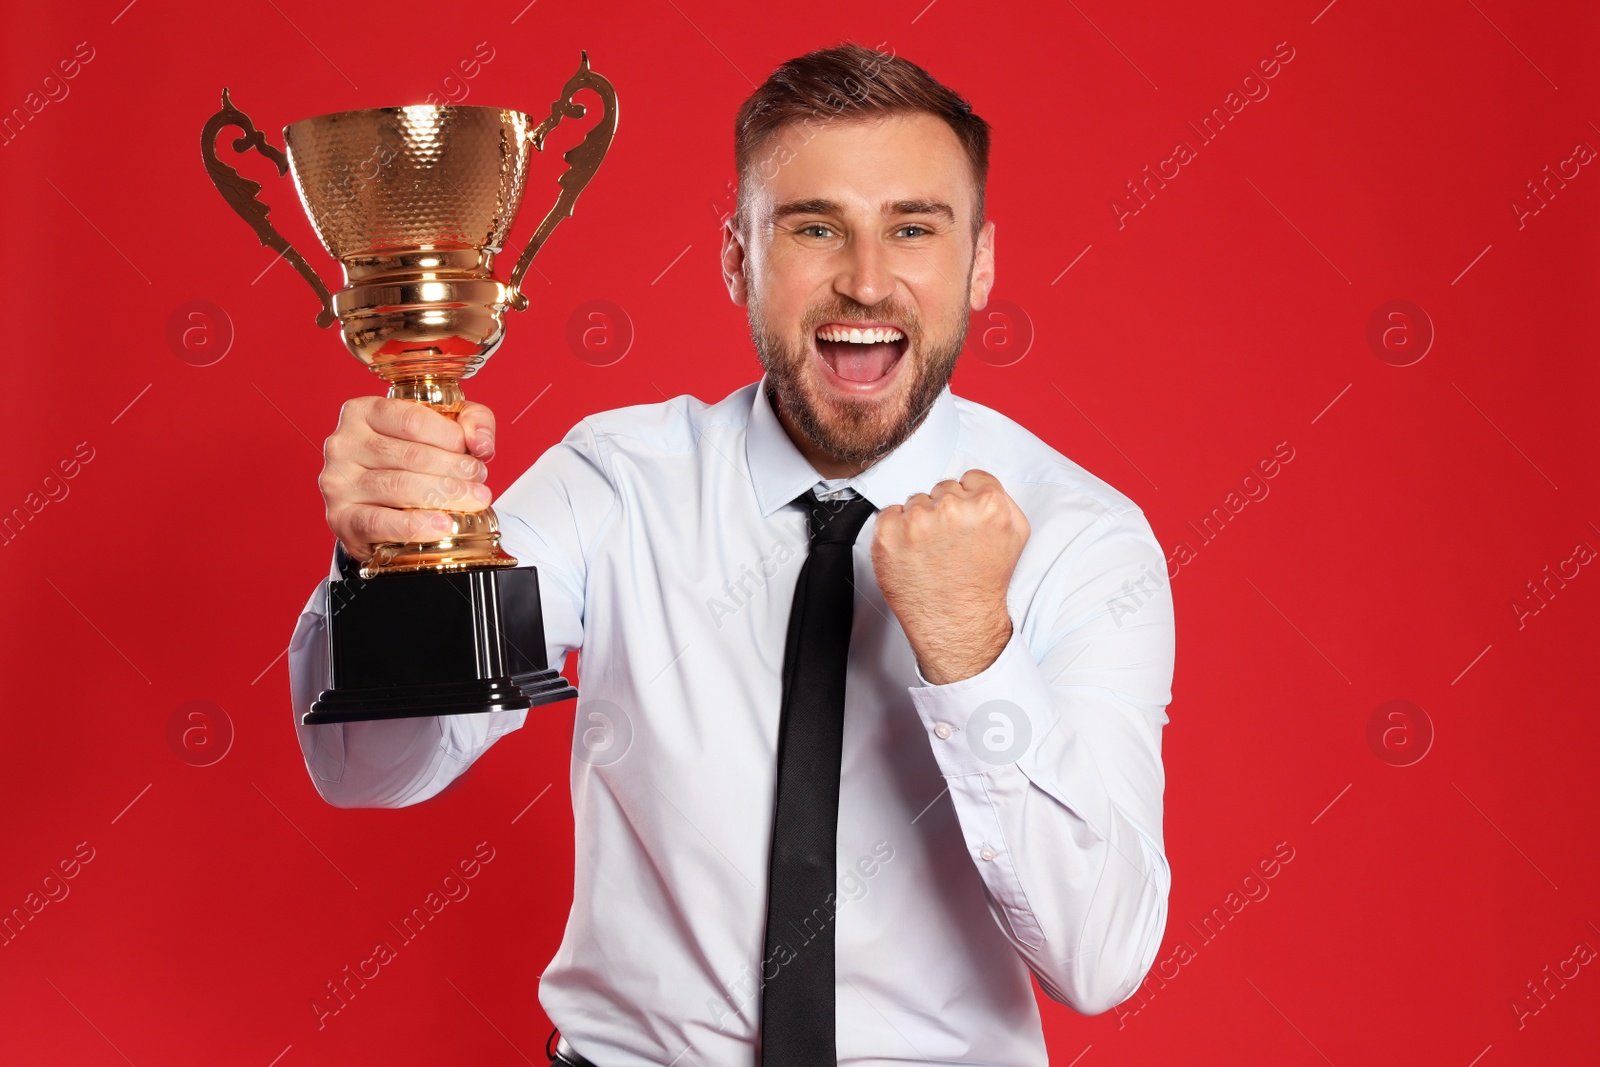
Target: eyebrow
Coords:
[[822, 206]]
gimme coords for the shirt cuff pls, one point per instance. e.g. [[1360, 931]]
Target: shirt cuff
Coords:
[[993, 719]]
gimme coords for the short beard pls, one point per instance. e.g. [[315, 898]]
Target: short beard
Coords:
[[855, 432]]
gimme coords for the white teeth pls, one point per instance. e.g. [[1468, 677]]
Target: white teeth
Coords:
[[875, 335]]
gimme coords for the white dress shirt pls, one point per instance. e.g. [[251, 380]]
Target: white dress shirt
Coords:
[[977, 840]]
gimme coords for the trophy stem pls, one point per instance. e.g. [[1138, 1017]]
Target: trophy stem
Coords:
[[443, 395], [474, 543]]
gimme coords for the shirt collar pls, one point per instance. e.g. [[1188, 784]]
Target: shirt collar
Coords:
[[780, 472]]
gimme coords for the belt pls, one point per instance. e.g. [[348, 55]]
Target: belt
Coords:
[[566, 1054]]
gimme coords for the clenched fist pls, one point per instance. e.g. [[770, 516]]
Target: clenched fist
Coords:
[[393, 467], [944, 561]]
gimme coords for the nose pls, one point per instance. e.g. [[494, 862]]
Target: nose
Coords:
[[864, 274]]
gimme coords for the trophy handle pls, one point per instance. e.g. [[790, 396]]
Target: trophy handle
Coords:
[[583, 160], [240, 192]]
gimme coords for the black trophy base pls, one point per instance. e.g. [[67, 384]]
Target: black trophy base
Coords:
[[402, 646]]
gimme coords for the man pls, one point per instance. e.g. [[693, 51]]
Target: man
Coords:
[[784, 861]]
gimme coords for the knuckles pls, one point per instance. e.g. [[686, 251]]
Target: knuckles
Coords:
[[361, 524], [354, 410], [409, 455], [386, 486], [475, 416], [976, 507], [413, 419]]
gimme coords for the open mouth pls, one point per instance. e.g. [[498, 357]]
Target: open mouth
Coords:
[[860, 354]]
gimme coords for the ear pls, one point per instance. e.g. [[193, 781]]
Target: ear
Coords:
[[733, 263], [982, 268]]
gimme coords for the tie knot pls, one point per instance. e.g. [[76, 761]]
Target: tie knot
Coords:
[[837, 521]]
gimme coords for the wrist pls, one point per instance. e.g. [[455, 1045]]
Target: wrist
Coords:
[[957, 661]]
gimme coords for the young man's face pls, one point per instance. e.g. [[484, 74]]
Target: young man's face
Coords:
[[865, 223]]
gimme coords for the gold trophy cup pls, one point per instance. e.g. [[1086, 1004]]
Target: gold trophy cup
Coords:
[[415, 202]]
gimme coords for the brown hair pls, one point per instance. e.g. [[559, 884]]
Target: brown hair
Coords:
[[847, 82]]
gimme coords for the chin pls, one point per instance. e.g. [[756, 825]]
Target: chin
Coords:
[[889, 380], [856, 426]]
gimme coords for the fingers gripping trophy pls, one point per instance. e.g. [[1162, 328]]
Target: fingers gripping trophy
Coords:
[[415, 202]]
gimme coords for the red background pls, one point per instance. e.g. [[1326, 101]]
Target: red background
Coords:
[[1228, 315]]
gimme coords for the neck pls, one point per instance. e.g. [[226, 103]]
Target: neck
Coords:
[[822, 461]]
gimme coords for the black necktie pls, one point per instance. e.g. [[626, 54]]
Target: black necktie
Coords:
[[797, 1004]]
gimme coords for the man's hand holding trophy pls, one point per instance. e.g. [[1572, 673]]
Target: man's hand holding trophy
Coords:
[[415, 202]]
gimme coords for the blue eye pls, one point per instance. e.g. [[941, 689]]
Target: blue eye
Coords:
[[914, 226], [815, 226]]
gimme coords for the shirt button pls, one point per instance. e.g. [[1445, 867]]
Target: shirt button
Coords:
[[986, 853], [944, 730]]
